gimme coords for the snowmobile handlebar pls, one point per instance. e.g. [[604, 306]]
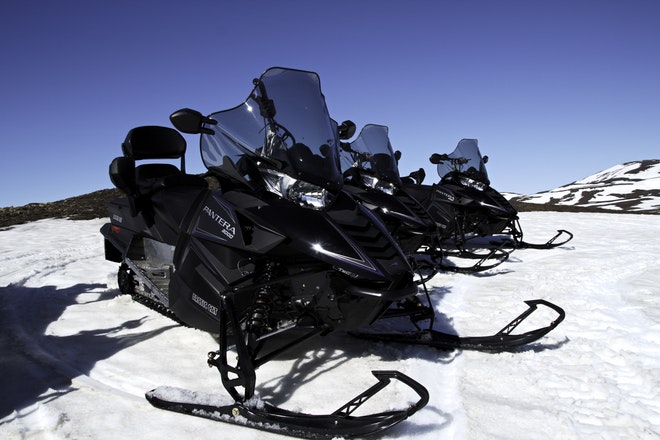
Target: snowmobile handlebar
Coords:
[[438, 158]]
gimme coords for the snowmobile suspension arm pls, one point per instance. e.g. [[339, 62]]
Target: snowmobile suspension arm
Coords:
[[244, 370], [243, 373]]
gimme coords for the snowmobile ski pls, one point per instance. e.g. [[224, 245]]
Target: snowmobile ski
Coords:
[[490, 260], [429, 262], [514, 239], [550, 244], [263, 416], [500, 341]]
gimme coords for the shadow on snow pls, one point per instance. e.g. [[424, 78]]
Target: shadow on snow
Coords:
[[37, 367]]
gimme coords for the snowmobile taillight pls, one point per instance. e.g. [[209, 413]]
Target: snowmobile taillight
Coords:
[[115, 229]]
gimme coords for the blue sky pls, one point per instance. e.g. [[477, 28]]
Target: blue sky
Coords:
[[553, 90]]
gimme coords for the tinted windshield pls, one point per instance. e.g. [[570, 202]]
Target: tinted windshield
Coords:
[[295, 129], [465, 159], [372, 151]]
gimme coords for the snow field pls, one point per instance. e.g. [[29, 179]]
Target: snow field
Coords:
[[73, 348]]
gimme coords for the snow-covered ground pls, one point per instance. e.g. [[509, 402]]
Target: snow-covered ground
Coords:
[[76, 357]]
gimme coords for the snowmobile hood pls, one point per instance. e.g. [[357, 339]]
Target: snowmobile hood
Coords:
[[346, 236], [387, 205], [283, 124]]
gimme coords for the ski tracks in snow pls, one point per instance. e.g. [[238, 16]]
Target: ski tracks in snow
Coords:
[[38, 251], [598, 373]]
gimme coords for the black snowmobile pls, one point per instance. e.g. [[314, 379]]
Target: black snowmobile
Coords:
[[480, 210], [371, 174], [371, 177], [276, 248], [271, 254]]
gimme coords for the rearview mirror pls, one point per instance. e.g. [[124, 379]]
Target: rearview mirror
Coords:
[[346, 129], [190, 121], [435, 158]]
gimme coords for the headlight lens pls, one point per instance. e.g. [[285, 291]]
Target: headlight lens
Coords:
[[471, 183], [380, 185], [307, 195], [303, 193]]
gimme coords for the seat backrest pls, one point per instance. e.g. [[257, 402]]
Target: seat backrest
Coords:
[[154, 142]]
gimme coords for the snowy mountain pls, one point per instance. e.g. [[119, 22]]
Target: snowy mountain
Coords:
[[629, 187]]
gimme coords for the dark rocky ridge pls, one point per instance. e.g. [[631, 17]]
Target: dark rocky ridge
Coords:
[[580, 196], [94, 205], [85, 207]]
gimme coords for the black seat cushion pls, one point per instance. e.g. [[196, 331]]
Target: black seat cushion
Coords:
[[152, 176]]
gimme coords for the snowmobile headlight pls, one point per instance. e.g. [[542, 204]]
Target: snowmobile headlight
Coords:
[[307, 195], [380, 185], [303, 193], [471, 183]]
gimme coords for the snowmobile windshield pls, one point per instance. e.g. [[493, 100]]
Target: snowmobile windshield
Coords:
[[372, 151], [284, 119], [465, 159]]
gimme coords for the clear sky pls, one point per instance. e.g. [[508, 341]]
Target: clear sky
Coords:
[[554, 90]]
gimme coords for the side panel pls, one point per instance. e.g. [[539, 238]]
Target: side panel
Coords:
[[217, 251], [194, 294], [121, 230]]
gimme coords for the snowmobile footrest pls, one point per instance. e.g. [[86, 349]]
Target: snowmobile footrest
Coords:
[[265, 417]]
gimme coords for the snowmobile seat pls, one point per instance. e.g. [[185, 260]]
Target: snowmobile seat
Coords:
[[141, 182], [150, 178], [155, 142]]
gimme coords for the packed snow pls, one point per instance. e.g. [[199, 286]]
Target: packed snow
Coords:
[[77, 357]]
